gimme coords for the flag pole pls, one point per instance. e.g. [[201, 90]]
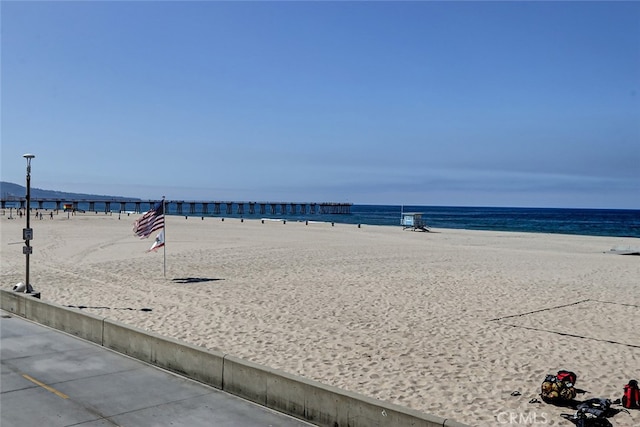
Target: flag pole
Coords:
[[164, 247]]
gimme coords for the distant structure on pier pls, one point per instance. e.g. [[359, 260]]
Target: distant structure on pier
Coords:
[[181, 207]]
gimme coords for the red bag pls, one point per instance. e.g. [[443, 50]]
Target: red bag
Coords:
[[631, 397], [566, 377]]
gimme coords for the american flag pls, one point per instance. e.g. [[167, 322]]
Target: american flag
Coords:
[[151, 221]]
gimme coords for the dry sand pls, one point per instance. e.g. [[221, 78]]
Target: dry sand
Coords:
[[449, 322]]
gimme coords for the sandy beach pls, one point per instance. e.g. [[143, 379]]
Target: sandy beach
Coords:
[[449, 322]]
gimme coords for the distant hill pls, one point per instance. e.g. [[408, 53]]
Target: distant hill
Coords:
[[9, 190]]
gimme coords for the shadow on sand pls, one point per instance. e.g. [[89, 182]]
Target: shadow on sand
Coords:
[[194, 280]]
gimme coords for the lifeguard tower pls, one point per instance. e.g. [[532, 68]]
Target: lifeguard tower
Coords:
[[413, 221]]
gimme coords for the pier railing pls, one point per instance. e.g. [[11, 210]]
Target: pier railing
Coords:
[[181, 207]]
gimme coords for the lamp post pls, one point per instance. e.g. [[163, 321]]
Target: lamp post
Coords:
[[27, 233]]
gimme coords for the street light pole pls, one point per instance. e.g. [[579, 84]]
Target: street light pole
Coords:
[[27, 233]]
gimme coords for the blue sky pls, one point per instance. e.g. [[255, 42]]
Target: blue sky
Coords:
[[427, 103]]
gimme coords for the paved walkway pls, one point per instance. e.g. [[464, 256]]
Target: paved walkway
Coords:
[[53, 379]]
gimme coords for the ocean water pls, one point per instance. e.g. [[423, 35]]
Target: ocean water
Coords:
[[593, 222]]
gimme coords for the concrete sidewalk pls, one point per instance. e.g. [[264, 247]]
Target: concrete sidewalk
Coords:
[[53, 379]]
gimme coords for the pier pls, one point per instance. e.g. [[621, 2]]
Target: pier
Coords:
[[181, 207]]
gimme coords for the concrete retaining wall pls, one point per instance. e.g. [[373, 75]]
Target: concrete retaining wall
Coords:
[[12, 302], [315, 402], [194, 362], [309, 400]]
